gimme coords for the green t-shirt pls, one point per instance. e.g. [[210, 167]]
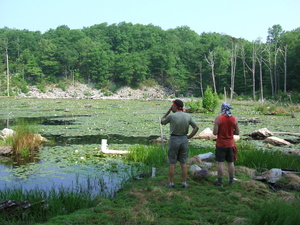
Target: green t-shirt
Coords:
[[179, 123]]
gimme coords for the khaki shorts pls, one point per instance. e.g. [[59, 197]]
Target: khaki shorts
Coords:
[[178, 149], [223, 154]]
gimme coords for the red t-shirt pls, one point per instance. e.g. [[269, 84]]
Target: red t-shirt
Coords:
[[226, 131]]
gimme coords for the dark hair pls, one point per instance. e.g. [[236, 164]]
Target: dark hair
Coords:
[[178, 102]]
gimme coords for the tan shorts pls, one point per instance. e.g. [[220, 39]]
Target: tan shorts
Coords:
[[178, 149]]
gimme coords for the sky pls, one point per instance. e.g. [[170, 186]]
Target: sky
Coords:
[[238, 18]]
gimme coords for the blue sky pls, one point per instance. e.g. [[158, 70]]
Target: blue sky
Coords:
[[239, 18]]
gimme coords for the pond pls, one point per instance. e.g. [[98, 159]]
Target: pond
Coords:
[[75, 128], [70, 161]]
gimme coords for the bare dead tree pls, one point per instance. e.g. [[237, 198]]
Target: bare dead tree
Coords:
[[210, 59], [233, 58], [200, 76], [259, 57], [284, 54], [276, 75], [268, 63], [254, 50], [5, 44], [243, 57]]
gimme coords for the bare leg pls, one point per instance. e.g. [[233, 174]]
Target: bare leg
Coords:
[[184, 172], [171, 172], [231, 169], [220, 169]]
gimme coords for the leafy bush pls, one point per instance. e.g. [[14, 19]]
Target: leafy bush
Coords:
[[193, 105], [42, 86], [210, 100], [62, 85]]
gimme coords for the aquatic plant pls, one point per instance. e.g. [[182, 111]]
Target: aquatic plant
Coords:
[[152, 155], [25, 139], [38, 205]]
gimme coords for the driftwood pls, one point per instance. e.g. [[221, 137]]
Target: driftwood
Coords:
[[287, 133], [13, 206], [276, 141]]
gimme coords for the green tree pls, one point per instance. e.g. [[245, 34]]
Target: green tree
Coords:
[[210, 100]]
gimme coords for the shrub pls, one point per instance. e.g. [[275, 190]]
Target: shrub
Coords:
[[210, 100], [62, 85], [193, 106]]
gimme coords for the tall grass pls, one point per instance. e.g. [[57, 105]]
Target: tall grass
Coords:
[[250, 156], [43, 205], [277, 213], [152, 155], [24, 139]]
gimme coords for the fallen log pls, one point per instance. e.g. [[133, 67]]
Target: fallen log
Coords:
[[287, 133]]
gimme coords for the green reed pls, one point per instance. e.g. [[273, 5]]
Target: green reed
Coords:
[[43, 204], [152, 155], [277, 213], [251, 156]]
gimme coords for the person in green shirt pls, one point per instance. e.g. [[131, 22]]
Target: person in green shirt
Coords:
[[178, 144]]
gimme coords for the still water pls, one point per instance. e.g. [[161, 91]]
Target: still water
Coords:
[[72, 163]]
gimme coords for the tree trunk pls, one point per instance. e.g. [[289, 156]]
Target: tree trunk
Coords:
[[201, 84], [284, 54], [211, 62], [233, 68], [253, 71], [260, 62], [276, 77], [7, 71]]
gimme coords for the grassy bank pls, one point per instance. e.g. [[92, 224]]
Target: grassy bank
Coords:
[[147, 201]]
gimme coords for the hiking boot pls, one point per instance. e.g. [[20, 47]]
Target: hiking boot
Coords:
[[231, 183], [186, 185], [169, 185], [219, 184]]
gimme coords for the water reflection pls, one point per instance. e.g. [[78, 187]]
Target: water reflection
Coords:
[[48, 172], [79, 178], [96, 139]]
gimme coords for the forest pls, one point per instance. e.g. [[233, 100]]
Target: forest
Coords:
[[125, 54]]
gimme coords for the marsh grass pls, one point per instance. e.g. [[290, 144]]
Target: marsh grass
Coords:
[[152, 155], [24, 140], [277, 213], [43, 205], [265, 159]]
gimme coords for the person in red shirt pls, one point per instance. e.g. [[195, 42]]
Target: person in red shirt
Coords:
[[225, 127]]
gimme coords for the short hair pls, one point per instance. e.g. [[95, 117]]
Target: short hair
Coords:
[[178, 102]]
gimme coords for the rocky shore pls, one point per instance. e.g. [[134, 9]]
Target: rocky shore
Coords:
[[84, 91]]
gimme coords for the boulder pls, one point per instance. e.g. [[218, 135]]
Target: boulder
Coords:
[[159, 140], [207, 133], [39, 138], [6, 132], [203, 173], [5, 150], [261, 133]]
